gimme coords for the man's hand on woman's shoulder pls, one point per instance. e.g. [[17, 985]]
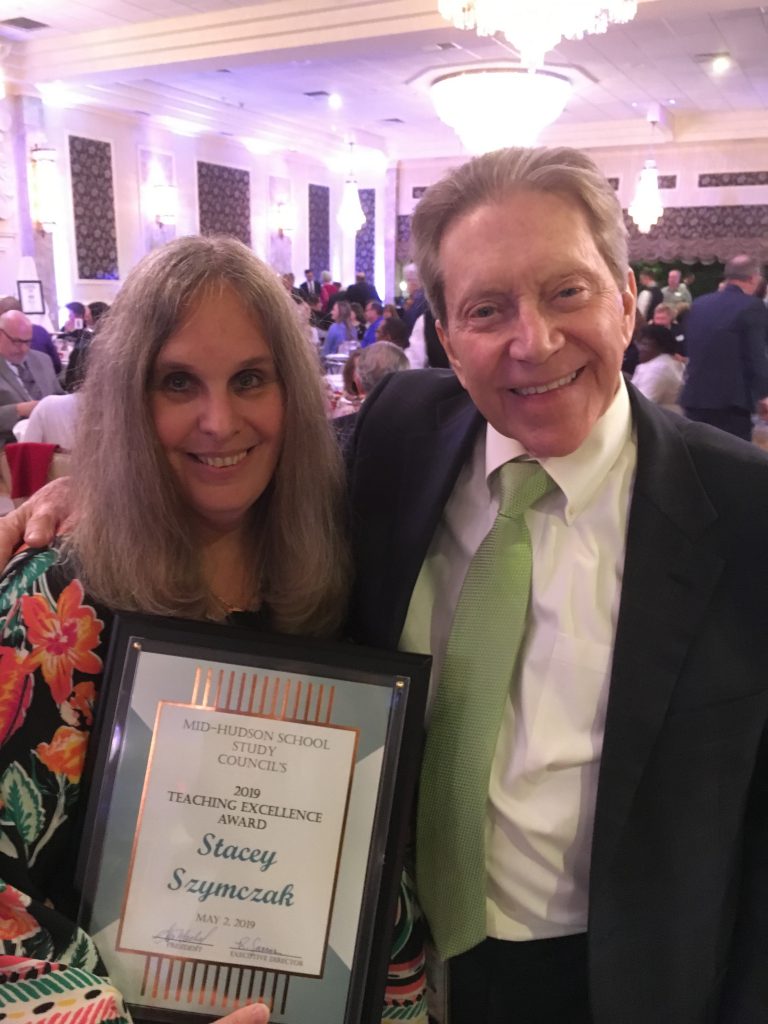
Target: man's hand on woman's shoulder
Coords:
[[38, 520]]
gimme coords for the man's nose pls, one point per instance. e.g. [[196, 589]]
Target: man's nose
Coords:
[[534, 337]]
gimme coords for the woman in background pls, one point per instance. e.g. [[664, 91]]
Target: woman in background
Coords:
[[206, 485], [341, 331]]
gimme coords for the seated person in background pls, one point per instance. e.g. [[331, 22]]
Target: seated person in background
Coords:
[[25, 376], [41, 339], [328, 289], [53, 421], [390, 310], [215, 438], [395, 330], [342, 331], [374, 314], [94, 311], [658, 374], [372, 365], [665, 316]]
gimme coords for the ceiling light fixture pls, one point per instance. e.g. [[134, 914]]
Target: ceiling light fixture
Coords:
[[350, 217], [646, 207], [335, 101], [470, 102], [721, 63], [536, 26]]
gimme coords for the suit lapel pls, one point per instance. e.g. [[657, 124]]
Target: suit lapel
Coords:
[[13, 381], [668, 580], [434, 460]]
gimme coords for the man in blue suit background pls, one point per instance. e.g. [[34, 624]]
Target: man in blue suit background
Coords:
[[726, 338]]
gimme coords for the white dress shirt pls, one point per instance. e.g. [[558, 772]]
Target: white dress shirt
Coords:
[[543, 783]]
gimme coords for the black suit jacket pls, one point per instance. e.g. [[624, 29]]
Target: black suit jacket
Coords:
[[678, 923], [726, 341], [304, 289]]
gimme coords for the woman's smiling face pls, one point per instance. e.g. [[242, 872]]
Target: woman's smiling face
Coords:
[[218, 410]]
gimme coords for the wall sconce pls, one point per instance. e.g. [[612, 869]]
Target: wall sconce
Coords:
[[43, 187], [164, 202], [283, 216]]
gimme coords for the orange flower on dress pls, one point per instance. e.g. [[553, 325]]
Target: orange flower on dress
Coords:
[[15, 689], [63, 638], [15, 922], [65, 754]]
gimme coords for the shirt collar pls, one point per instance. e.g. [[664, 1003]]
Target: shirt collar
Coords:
[[580, 474]]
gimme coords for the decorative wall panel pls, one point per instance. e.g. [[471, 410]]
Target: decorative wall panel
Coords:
[[614, 183], [418, 191], [319, 203], [366, 236], [667, 180], [403, 238], [702, 233], [224, 198], [733, 178], [93, 200]]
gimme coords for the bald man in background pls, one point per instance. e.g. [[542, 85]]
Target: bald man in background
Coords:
[[26, 376]]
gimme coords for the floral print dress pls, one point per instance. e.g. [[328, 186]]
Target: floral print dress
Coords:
[[53, 645], [52, 648]]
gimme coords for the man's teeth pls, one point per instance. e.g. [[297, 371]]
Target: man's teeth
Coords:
[[552, 386], [220, 461]]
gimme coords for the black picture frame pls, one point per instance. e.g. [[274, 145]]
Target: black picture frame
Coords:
[[31, 297], [361, 682]]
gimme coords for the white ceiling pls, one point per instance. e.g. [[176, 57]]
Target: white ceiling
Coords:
[[243, 68]]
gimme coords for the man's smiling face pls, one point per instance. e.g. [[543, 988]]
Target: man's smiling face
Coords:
[[536, 324]]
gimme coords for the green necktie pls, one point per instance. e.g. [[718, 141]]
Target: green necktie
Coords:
[[485, 638]]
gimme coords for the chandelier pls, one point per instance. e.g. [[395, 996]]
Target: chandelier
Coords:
[[536, 26], [646, 207], [350, 217], [490, 107]]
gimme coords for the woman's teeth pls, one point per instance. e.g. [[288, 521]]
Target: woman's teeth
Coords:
[[220, 461]]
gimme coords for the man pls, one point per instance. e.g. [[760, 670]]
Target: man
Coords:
[[676, 293], [726, 338], [623, 832], [416, 304], [362, 291], [41, 339], [309, 287], [649, 296], [374, 316], [624, 873], [25, 376]]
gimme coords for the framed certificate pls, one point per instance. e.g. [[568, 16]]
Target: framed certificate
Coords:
[[250, 801], [31, 296]]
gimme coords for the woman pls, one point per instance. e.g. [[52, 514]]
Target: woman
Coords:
[[207, 485], [341, 331], [658, 375]]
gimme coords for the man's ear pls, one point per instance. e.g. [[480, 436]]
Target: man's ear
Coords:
[[629, 304], [453, 359]]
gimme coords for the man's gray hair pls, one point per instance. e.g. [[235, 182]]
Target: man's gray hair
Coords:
[[377, 361], [494, 177], [742, 268]]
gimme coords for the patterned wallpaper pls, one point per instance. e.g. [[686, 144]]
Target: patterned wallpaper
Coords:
[[403, 238], [733, 178], [704, 233], [224, 197], [93, 199], [366, 236], [319, 204]]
